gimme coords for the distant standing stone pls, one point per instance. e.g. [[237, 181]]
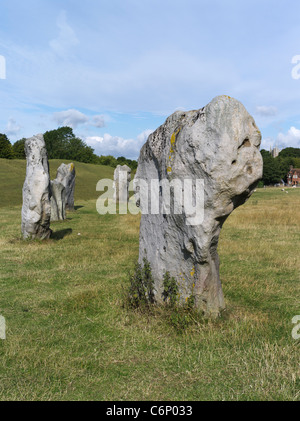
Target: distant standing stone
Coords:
[[36, 208], [66, 176], [122, 178], [58, 201], [219, 146]]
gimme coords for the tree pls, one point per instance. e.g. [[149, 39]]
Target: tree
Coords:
[[56, 142], [63, 144], [5, 147], [108, 160], [271, 169], [19, 149], [290, 152], [122, 160], [125, 161], [77, 150]]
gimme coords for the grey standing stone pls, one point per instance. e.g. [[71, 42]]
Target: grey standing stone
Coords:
[[58, 201], [218, 144], [36, 208], [122, 178], [66, 176]]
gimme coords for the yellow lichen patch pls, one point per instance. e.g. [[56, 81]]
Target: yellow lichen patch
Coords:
[[172, 151], [173, 137], [193, 272], [71, 167]]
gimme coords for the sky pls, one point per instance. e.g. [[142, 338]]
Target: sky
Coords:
[[114, 70]]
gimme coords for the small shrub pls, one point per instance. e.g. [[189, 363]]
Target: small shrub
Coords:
[[190, 303], [180, 319], [148, 281], [184, 316], [141, 290], [141, 296], [260, 184], [171, 292], [179, 316]]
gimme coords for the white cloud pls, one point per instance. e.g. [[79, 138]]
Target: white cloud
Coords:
[[74, 118], [146, 70], [118, 146], [12, 128], [142, 137], [266, 111], [267, 143], [71, 118], [98, 121], [66, 38], [283, 140], [291, 138], [62, 80]]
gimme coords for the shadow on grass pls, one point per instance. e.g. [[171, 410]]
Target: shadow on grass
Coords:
[[78, 207], [59, 235]]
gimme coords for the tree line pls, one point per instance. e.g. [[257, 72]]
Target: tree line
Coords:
[[276, 169], [63, 144]]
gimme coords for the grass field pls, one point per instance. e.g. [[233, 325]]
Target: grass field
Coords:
[[70, 338], [12, 176]]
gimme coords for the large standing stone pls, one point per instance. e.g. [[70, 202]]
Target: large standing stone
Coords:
[[58, 201], [122, 178], [218, 144], [36, 208], [66, 176]]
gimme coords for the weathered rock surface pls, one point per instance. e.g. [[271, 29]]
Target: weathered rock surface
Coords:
[[122, 178], [220, 145], [36, 208], [66, 176], [58, 201]]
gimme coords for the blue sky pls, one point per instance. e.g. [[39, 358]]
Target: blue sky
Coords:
[[115, 69]]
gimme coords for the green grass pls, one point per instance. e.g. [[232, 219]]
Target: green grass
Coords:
[[70, 338], [12, 176]]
